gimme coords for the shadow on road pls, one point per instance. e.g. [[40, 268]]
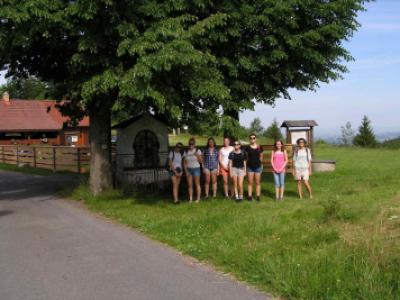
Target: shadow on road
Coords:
[[19, 186], [5, 212]]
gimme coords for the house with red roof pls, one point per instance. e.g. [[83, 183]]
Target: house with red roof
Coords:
[[29, 122]]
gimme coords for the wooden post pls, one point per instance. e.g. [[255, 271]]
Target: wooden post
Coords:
[[2, 154], [287, 135], [54, 159], [78, 159], [34, 156], [17, 155]]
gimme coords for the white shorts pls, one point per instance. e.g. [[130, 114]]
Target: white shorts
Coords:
[[238, 172], [302, 174]]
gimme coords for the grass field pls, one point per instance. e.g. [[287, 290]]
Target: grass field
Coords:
[[343, 244]]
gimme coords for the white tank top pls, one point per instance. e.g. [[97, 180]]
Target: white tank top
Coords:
[[225, 154]]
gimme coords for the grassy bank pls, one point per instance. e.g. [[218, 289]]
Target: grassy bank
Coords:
[[343, 244], [28, 170]]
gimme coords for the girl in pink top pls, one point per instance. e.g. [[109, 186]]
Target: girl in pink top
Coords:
[[279, 160]]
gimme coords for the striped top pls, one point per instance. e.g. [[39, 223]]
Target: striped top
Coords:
[[211, 159]]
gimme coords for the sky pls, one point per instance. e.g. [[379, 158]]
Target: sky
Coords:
[[369, 88]]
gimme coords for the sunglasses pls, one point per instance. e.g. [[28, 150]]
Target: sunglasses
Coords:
[[237, 144], [252, 137], [191, 144]]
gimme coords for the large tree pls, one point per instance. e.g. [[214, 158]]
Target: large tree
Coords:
[[173, 57]]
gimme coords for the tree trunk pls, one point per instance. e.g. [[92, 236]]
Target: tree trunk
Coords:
[[234, 115], [100, 148]]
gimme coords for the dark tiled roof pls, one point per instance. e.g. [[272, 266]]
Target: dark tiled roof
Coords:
[[32, 115], [131, 120], [299, 123]]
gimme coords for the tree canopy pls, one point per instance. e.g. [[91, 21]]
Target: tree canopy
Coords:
[[175, 57], [274, 132], [28, 88]]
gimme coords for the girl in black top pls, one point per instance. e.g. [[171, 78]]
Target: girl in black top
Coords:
[[254, 167], [237, 169]]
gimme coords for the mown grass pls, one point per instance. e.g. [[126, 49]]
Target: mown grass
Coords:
[[343, 244]]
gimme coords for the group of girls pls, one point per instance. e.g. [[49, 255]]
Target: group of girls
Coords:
[[233, 163]]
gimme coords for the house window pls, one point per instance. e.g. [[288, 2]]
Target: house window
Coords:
[[146, 147]]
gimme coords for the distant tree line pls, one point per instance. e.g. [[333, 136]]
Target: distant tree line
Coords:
[[365, 136], [214, 124]]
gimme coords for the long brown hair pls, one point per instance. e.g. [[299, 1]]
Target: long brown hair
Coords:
[[276, 148]]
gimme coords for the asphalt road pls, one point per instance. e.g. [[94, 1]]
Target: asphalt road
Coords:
[[53, 249]]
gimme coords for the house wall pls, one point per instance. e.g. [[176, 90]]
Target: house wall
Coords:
[[53, 138], [82, 133]]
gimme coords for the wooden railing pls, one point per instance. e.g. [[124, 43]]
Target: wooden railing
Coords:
[[55, 158]]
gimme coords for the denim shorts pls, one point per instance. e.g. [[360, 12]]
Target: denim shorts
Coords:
[[209, 171], [255, 170], [279, 179], [196, 172]]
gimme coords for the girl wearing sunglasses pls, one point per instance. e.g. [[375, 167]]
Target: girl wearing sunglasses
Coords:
[[237, 169], [302, 166], [192, 160]]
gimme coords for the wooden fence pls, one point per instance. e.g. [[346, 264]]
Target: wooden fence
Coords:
[[55, 158]]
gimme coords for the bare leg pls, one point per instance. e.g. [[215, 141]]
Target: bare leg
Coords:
[[240, 179], [225, 178], [282, 190], [299, 189], [235, 186], [308, 186], [207, 183], [250, 179], [257, 177], [198, 187], [176, 180], [190, 186], [214, 183], [276, 193]]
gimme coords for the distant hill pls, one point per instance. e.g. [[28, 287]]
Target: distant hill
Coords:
[[393, 143]]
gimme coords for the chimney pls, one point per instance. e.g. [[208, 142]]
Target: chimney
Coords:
[[6, 97]]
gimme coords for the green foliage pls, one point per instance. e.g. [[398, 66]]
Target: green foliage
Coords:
[[343, 244], [256, 127], [273, 131], [28, 88], [391, 144], [176, 56], [321, 142], [365, 136]]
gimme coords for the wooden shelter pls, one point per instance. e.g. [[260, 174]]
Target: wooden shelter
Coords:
[[296, 129]]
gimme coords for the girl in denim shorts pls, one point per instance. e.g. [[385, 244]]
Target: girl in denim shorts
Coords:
[[211, 167], [192, 160], [254, 167]]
